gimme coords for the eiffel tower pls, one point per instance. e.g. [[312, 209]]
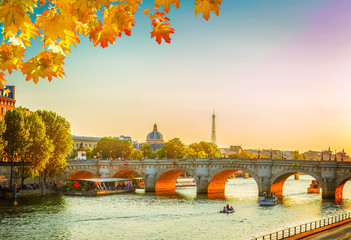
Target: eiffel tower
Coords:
[[213, 132]]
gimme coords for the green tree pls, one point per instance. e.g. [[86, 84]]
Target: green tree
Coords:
[[16, 135], [210, 149], [107, 147], [190, 153], [297, 156], [174, 148], [137, 154], [197, 147], [39, 147], [58, 130], [114, 148], [146, 149], [89, 152], [244, 154], [3, 143]]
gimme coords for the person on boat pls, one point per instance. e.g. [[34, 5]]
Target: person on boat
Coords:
[[231, 208], [227, 206]]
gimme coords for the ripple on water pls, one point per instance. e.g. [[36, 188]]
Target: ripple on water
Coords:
[[150, 216]]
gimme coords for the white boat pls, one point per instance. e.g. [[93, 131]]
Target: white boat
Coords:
[[267, 199], [185, 182]]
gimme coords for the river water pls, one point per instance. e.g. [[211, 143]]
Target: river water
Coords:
[[149, 216]]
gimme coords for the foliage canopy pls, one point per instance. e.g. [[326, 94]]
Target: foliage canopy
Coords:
[[59, 24]]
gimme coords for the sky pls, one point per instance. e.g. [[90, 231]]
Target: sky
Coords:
[[275, 72]]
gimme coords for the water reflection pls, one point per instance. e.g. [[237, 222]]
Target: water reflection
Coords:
[[184, 215]]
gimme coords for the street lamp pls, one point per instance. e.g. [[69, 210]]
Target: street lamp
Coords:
[[335, 156], [258, 154], [322, 158], [282, 154], [271, 154]]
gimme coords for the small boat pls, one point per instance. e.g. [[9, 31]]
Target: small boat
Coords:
[[267, 199], [185, 182], [314, 187], [230, 210]]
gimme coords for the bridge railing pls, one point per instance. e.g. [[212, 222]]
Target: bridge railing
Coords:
[[288, 232]]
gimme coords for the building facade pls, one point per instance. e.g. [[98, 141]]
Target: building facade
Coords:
[[7, 100], [155, 139], [86, 142]]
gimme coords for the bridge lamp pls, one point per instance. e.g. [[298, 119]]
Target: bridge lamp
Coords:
[[258, 154]]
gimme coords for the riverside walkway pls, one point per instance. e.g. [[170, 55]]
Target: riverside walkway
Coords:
[[336, 227]]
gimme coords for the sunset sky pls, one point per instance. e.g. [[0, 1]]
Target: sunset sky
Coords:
[[277, 73]]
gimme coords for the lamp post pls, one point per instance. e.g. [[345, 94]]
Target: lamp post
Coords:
[[335, 159], [271, 153], [258, 154], [282, 154], [322, 158]]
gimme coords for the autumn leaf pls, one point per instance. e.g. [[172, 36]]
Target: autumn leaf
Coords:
[[11, 57], [146, 11], [206, 6], [44, 65], [2, 80], [161, 30], [166, 4]]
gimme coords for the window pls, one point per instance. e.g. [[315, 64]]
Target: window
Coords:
[[76, 144], [86, 145], [2, 110]]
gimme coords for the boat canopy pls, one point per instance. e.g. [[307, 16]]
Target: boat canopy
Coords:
[[105, 179]]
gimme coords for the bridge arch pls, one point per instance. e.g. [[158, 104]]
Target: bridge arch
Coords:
[[340, 185], [278, 180], [166, 182], [81, 175], [219, 179]]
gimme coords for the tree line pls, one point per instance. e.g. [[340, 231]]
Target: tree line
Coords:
[[39, 140], [175, 148]]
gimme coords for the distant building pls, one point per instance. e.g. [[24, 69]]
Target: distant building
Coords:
[[84, 141], [312, 155], [7, 100], [127, 138], [235, 149], [155, 139]]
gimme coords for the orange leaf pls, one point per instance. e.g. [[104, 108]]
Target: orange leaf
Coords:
[[166, 4], [2, 80], [161, 30], [146, 11], [206, 6]]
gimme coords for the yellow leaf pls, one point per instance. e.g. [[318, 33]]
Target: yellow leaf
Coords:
[[166, 4], [146, 11], [206, 6], [161, 30], [71, 38]]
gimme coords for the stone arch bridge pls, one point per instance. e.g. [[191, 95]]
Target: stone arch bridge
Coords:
[[211, 175]]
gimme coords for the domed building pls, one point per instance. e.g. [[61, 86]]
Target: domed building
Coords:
[[155, 139]]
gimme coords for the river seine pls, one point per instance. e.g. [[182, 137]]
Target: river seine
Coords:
[[149, 216]]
